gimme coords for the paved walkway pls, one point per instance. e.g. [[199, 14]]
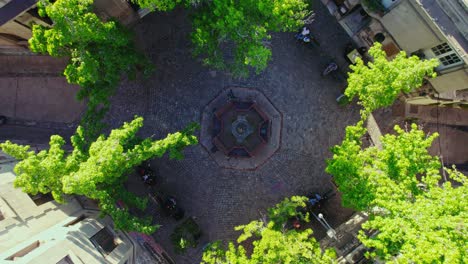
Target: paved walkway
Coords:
[[49, 99], [31, 65], [33, 91], [175, 95], [181, 87]]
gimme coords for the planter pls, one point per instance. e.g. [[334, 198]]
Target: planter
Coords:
[[186, 235]]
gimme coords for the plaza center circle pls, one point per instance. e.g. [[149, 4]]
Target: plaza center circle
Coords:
[[241, 128], [243, 125]]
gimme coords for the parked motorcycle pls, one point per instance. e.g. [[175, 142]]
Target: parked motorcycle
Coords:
[[305, 36], [331, 67], [316, 200], [170, 206], [147, 174]]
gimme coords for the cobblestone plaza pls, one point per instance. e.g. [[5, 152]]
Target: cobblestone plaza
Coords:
[[180, 89]]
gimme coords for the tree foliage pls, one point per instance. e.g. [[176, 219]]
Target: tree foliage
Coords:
[[430, 227], [412, 219], [271, 242], [99, 172], [365, 175], [241, 25], [160, 5], [99, 53], [380, 82], [246, 26]]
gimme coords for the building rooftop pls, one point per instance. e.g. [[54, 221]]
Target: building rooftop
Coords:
[[13, 8], [452, 19], [36, 229]]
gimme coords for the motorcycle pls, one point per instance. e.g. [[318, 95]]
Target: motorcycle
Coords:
[[331, 67], [305, 36], [316, 200], [148, 176], [170, 207]]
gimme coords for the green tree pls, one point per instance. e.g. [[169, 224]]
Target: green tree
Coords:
[[380, 82], [364, 175], [412, 218], [271, 242], [99, 53], [160, 5], [244, 25], [430, 227], [99, 172], [241, 25]]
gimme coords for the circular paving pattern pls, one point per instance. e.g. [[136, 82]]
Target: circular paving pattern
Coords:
[[241, 129]]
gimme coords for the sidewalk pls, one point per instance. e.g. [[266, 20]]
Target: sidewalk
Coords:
[[36, 99], [33, 88], [31, 65], [37, 138], [49, 99]]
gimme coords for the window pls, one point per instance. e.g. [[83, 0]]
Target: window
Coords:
[[23, 252], [441, 49], [450, 59], [446, 55], [104, 241], [66, 260]]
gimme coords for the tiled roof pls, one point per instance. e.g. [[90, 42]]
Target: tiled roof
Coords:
[[451, 17], [14, 8]]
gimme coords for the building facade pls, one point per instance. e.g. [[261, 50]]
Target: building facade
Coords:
[[36, 229], [425, 28]]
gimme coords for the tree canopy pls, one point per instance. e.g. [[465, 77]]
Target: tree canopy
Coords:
[[430, 227], [246, 26], [380, 82], [366, 174], [99, 53], [241, 27], [412, 217], [271, 242], [99, 172]]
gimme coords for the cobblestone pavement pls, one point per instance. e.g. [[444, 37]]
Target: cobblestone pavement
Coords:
[[175, 95]]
